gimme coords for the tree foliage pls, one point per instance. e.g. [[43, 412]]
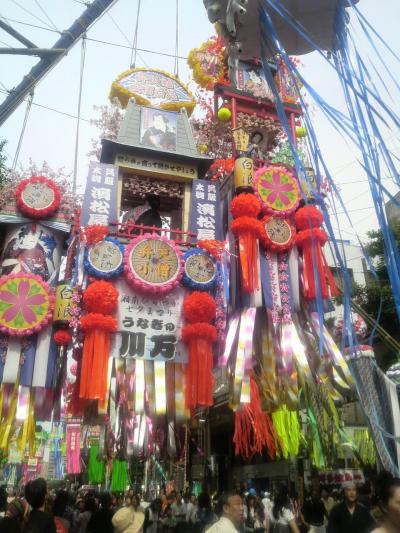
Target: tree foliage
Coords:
[[3, 167], [380, 290]]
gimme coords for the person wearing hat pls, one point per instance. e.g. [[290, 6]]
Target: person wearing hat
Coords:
[[13, 518], [349, 516], [128, 521]]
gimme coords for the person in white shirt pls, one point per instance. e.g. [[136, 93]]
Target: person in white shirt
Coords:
[[232, 517], [191, 509], [281, 517], [179, 509]]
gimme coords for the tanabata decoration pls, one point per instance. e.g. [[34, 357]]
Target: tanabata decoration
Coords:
[[245, 208], [207, 63], [26, 304], [199, 334], [276, 187], [38, 197], [62, 337], [356, 321], [153, 265], [200, 271], [152, 87], [93, 234], [310, 238], [105, 259], [278, 235], [100, 299], [254, 430]]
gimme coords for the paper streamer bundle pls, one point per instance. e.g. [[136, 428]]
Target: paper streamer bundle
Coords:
[[102, 297], [199, 334]]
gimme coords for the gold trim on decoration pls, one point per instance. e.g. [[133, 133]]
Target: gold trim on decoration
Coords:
[[123, 94]]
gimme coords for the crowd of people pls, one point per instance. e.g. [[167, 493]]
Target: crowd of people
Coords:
[[40, 511]]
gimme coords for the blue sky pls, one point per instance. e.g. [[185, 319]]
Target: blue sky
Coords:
[[51, 136]]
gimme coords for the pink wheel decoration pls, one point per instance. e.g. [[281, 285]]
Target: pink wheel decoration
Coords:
[[26, 304], [277, 188], [38, 197], [153, 264], [278, 234]]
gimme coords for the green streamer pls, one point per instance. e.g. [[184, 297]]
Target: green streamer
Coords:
[[287, 427], [96, 466], [119, 478]]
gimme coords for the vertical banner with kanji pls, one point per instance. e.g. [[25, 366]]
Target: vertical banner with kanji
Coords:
[[205, 212], [101, 195]]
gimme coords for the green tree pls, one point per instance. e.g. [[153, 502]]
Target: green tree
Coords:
[[4, 170], [379, 291]]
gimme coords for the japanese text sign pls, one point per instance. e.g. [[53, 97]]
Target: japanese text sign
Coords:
[[101, 195], [205, 212], [149, 328]]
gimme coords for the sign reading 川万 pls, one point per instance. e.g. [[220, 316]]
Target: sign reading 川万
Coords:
[[100, 203], [205, 211], [149, 328]]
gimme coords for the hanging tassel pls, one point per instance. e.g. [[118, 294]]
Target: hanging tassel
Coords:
[[253, 428], [199, 310], [311, 239], [96, 467], [248, 229], [119, 478], [102, 297]]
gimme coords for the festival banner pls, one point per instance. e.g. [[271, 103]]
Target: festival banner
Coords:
[[205, 212], [101, 195], [149, 328]]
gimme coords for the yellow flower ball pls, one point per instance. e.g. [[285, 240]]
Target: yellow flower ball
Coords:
[[224, 114], [301, 132], [203, 148]]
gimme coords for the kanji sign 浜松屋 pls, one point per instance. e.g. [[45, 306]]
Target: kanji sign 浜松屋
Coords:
[[101, 194]]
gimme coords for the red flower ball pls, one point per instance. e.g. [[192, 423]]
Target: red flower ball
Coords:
[[199, 330], [247, 224], [199, 307], [308, 217], [100, 297], [62, 337], [100, 322], [245, 205], [94, 233]]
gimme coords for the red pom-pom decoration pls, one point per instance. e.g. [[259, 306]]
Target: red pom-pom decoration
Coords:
[[245, 205], [199, 307], [308, 217], [247, 225], [62, 337], [38, 197], [93, 234], [200, 330], [100, 297], [311, 239], [97, 321]]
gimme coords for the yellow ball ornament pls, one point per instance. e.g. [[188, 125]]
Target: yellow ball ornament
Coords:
[[224, 114], [203, 148], [301, 132]]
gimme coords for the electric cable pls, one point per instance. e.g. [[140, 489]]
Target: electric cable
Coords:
[[21, 136], [82, 67]]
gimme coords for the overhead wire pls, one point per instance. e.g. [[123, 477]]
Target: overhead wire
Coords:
[[35, 104], [82, 68], [108, 43], [30, 12], [132, 62], [46, 15], [176, 65], [125, 36], [21, 136]]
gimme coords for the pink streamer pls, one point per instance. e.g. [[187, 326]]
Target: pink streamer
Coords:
[[73, 449]]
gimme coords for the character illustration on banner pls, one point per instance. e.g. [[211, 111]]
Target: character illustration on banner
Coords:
[[30, 248]]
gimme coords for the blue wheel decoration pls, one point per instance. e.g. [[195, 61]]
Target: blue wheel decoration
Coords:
[[200, 271], [105, 259]]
